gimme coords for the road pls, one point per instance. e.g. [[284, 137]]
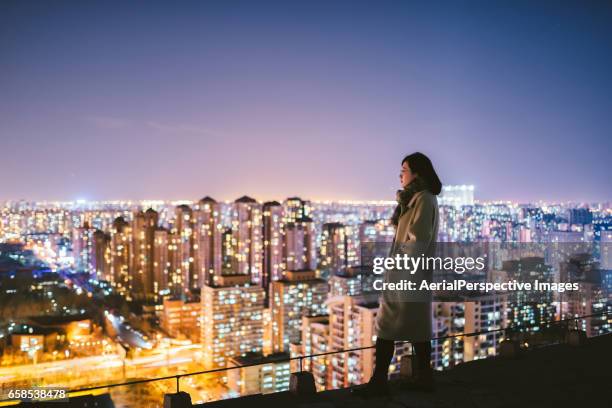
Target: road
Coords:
[[118, 327], [108, 368]]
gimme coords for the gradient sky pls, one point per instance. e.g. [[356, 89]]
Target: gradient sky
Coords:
[[177, 100]]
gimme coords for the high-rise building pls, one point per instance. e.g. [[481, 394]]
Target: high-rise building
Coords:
[[262, 375], [142, 266], [484, 313], [298, 294], [181, 319], [161, 263], [176, 283], [376, 231], [352, 281], [374, 239], [338, 247], [228, 264], [183, 259], [102, 255], [457, 196], [460, 314], [208, 239], [352, 325], [528, 308], [232, 320], [138, 255], [591, 300], [247, 239], [83, 249], [295, 208], [605, 250], [273, 226], [299, 247], [120, 248], [593, 297], [315, 340], [448, 319], [580, 216]]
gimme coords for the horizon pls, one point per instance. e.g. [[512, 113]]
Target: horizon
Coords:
[[177, 201]]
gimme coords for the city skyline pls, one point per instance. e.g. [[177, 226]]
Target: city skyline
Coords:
[[185, 288], [200, 202], [110, 101]]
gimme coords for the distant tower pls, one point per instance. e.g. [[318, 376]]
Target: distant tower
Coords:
[[208, 239], [247, 238], [102, 255], [182, 262], [457, 195], [120, 244], [143, 236], [338, 247], [161, 263], [83, 249], [299, 249], [137, 262], [295, 208], [273, 265]]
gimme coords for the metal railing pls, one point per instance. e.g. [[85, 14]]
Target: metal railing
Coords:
[[301, 359]]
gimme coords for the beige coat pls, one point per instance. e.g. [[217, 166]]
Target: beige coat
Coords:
[[410, 319]]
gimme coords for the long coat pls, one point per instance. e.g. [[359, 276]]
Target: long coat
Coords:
[[410, 318]]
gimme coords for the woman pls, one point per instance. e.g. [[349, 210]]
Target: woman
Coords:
[[406, 318]]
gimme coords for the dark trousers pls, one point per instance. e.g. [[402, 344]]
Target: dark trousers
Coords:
[[384, 354]]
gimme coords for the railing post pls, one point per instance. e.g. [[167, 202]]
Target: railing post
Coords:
[[178, 399], [302, 383]]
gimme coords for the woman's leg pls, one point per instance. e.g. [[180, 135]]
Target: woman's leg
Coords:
[[377, 386], [384, 354], [422, 351]]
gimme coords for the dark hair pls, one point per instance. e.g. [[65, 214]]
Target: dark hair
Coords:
[[421, 165]]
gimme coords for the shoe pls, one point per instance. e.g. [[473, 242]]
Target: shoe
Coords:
[[372, 389]]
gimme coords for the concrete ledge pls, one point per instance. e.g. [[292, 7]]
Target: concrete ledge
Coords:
[[509, 349], [302, 383], [575, 338], [177, 400], [556, 376]]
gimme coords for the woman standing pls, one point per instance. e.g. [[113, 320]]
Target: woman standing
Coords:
[[416, 222]]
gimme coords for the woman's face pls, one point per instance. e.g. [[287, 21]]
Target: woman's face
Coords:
[[406, 175]]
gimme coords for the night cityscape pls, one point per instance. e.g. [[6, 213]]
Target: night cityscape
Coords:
[[103, 292], [191, 194]]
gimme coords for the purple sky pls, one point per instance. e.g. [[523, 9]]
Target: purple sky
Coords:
[[108, 100]]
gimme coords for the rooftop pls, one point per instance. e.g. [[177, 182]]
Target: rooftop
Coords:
[[208, 199], [245, 199], [554, 376]]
